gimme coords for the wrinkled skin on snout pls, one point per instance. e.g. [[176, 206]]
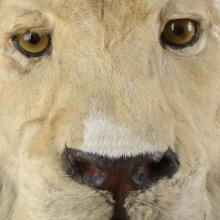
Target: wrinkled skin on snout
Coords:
[[110, 123]]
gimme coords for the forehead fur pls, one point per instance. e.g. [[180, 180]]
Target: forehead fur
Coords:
[[122, 6], [116, 14], [119, 17]]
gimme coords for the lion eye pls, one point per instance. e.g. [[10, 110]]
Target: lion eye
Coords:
[[180, 33], [32, 44]]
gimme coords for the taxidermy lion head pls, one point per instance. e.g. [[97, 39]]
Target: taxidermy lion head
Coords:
[[109, 109]]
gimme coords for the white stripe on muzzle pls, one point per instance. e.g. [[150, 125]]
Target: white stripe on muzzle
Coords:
[[103, 137]]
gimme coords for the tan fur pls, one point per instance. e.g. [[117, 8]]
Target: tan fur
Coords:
[[107, 64]]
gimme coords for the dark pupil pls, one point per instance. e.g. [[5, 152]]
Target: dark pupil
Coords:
[[33, 38], [178, 30]]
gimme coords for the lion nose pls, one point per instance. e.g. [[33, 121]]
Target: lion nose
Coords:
[[119, 176]]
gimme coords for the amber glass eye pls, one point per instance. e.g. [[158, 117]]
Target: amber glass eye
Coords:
[[180, 33], [32, 44]]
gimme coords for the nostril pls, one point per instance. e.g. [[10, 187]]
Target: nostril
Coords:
[[153, 170], [96, 174], [170, 162], [167, 166], [141, 175], [89, 173], [81, 168]]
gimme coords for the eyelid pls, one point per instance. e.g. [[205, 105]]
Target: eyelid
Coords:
[[200, 19], [194, 16], [31, 21], [20, 31]]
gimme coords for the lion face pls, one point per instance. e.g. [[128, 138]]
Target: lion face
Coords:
[[109, 109]]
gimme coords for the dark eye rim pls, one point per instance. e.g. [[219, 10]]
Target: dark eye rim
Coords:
[[28, 54], [193, 41]]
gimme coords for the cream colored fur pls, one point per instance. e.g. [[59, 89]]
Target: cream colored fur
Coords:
[[108, 87]]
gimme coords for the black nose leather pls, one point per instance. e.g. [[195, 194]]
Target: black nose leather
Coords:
[[119, 176]]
